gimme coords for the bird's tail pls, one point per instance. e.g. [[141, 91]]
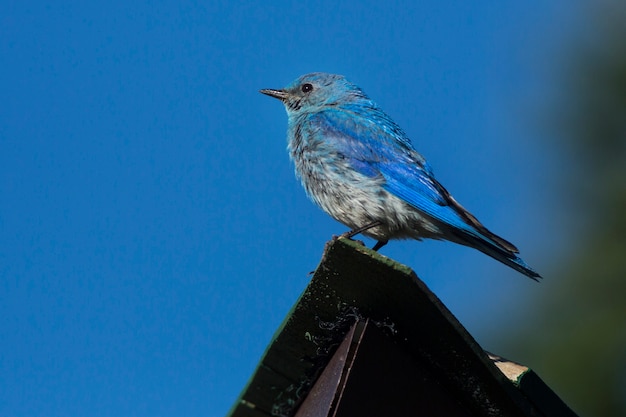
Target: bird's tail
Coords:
[[501, 254], [477, 236]]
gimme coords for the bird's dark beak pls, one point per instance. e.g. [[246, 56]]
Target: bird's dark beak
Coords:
[[279, 94]]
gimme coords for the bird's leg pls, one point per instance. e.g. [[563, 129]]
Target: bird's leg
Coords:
[[368, 226], [361, 229], [379, 245]]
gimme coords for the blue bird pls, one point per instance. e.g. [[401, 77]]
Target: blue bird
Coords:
[[360, 167]]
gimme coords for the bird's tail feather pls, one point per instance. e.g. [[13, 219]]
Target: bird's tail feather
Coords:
[[478, 236], [500, 253]]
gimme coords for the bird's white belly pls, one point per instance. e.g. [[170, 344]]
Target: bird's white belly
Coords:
[[357, 200]]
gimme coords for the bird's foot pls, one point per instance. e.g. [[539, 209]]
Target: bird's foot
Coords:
[[347, 235]]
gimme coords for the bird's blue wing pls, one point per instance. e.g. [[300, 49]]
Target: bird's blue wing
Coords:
[[404, 183], [366, 134], [423, 192], [376, 146]]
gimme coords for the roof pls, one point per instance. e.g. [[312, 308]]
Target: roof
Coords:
[[352, 284]]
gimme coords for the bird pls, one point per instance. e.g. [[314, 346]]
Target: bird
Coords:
[[361, 168]]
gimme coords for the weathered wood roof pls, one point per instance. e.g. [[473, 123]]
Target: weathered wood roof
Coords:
[[353, 283]]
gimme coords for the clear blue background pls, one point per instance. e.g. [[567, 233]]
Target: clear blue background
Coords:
[[153, 235]]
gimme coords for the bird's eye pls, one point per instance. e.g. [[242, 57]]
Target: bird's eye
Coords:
[[306, 87]]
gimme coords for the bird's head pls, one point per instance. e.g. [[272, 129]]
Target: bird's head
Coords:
[[313, 92]]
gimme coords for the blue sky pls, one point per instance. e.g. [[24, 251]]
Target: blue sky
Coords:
[[153, 233]]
